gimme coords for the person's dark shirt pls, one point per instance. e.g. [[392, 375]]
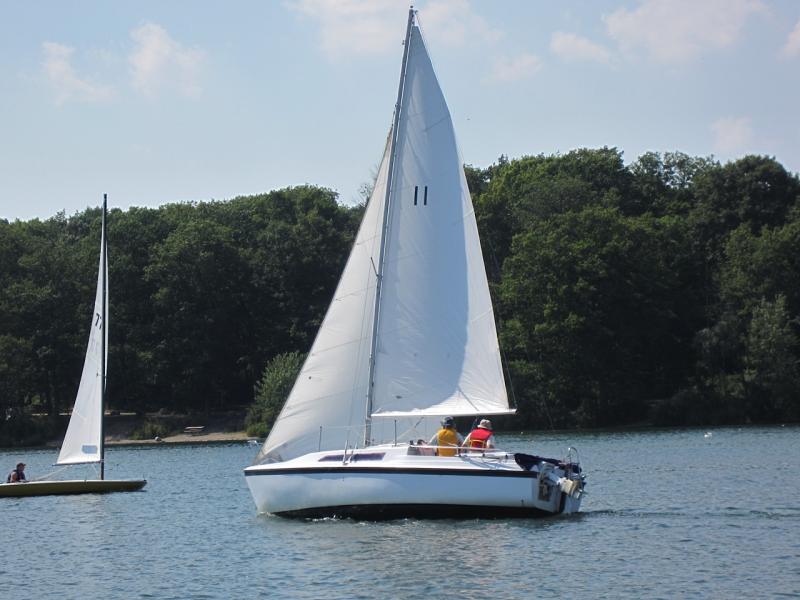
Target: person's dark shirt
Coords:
[[20, 476]]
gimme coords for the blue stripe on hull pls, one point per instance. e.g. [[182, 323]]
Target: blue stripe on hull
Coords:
[[398, 471]]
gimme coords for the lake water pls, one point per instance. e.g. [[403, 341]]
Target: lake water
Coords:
[[669, 514]]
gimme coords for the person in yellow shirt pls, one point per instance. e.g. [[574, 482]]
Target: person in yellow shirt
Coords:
[[447, 438]]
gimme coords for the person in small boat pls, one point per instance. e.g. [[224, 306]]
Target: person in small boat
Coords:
[[481, 437], [447, 438], [17, 475]]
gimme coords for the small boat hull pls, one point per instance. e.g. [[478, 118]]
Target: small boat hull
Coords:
[[81, 486], [400, 486]]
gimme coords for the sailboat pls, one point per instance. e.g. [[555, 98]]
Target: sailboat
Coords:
[[408, 338], [84, 441]]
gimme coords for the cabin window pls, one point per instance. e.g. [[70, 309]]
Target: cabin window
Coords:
[[332, 457], [354, 457], [368, 456]]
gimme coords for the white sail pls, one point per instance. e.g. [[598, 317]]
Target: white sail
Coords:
[[437, 351], [437, 344], [82, 443]]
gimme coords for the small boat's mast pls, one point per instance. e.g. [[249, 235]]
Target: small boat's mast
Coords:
[[104, 310], [389, 182]]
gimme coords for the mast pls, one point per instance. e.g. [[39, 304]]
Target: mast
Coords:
[[379, 274], [104, 310]]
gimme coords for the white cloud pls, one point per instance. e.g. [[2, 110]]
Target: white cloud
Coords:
[[732, 135], [158, 62], [572, 47], [350, 27], [57, 66], [356, 27], [792, 46], [453, 22], [515, 69], [680, 30]]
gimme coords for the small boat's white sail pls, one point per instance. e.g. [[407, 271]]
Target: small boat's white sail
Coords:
[[436, 349], [82, 443]]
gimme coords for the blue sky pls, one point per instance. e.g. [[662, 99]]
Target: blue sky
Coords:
[[155, 102]]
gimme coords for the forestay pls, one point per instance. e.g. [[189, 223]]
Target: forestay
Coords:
[[82, 443], [436, 348]]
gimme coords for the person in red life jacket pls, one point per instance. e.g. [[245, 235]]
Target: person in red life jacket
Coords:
[[481, 437], [17, 475], [447, 439]]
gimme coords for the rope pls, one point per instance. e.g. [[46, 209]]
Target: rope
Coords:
[[48, 475]]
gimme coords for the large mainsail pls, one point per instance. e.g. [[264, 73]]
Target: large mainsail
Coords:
[[436, 349], [82, 442]]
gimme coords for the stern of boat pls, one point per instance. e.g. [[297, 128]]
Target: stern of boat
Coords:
[[559, 485]]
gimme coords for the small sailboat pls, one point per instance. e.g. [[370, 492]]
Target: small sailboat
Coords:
[[84, 440], [409, 338]]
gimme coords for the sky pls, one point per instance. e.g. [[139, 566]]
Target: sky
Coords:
[[156, 102]]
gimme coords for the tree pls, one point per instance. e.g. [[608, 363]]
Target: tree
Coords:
[[271, 392], [594, 302], [771, 373], [199, 278]]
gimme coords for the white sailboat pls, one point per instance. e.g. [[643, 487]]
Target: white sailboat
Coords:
[[84, 440], [409, 337]]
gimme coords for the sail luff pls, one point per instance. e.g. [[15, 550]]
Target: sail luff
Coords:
[[385, 220]]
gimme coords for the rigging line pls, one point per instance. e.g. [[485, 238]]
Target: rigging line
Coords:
[[46, 475]]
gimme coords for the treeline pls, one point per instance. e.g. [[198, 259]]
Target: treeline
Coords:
[[201, 296], [665, 291]]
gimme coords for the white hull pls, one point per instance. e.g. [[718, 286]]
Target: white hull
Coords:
[[387, 482]]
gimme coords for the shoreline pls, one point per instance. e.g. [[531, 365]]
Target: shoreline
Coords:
[[186, 438], [181, 438]]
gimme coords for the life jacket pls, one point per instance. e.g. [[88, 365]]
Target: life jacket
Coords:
[[447, 437], [479, 438], [20, 476]]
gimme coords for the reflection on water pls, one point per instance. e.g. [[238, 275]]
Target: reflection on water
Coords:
[[668, 514]]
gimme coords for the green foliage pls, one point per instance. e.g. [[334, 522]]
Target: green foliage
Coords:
[[271, 392], [150, 430], [667, 289], [592, 298], [24, 430], [771, 374], [200, 296]]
